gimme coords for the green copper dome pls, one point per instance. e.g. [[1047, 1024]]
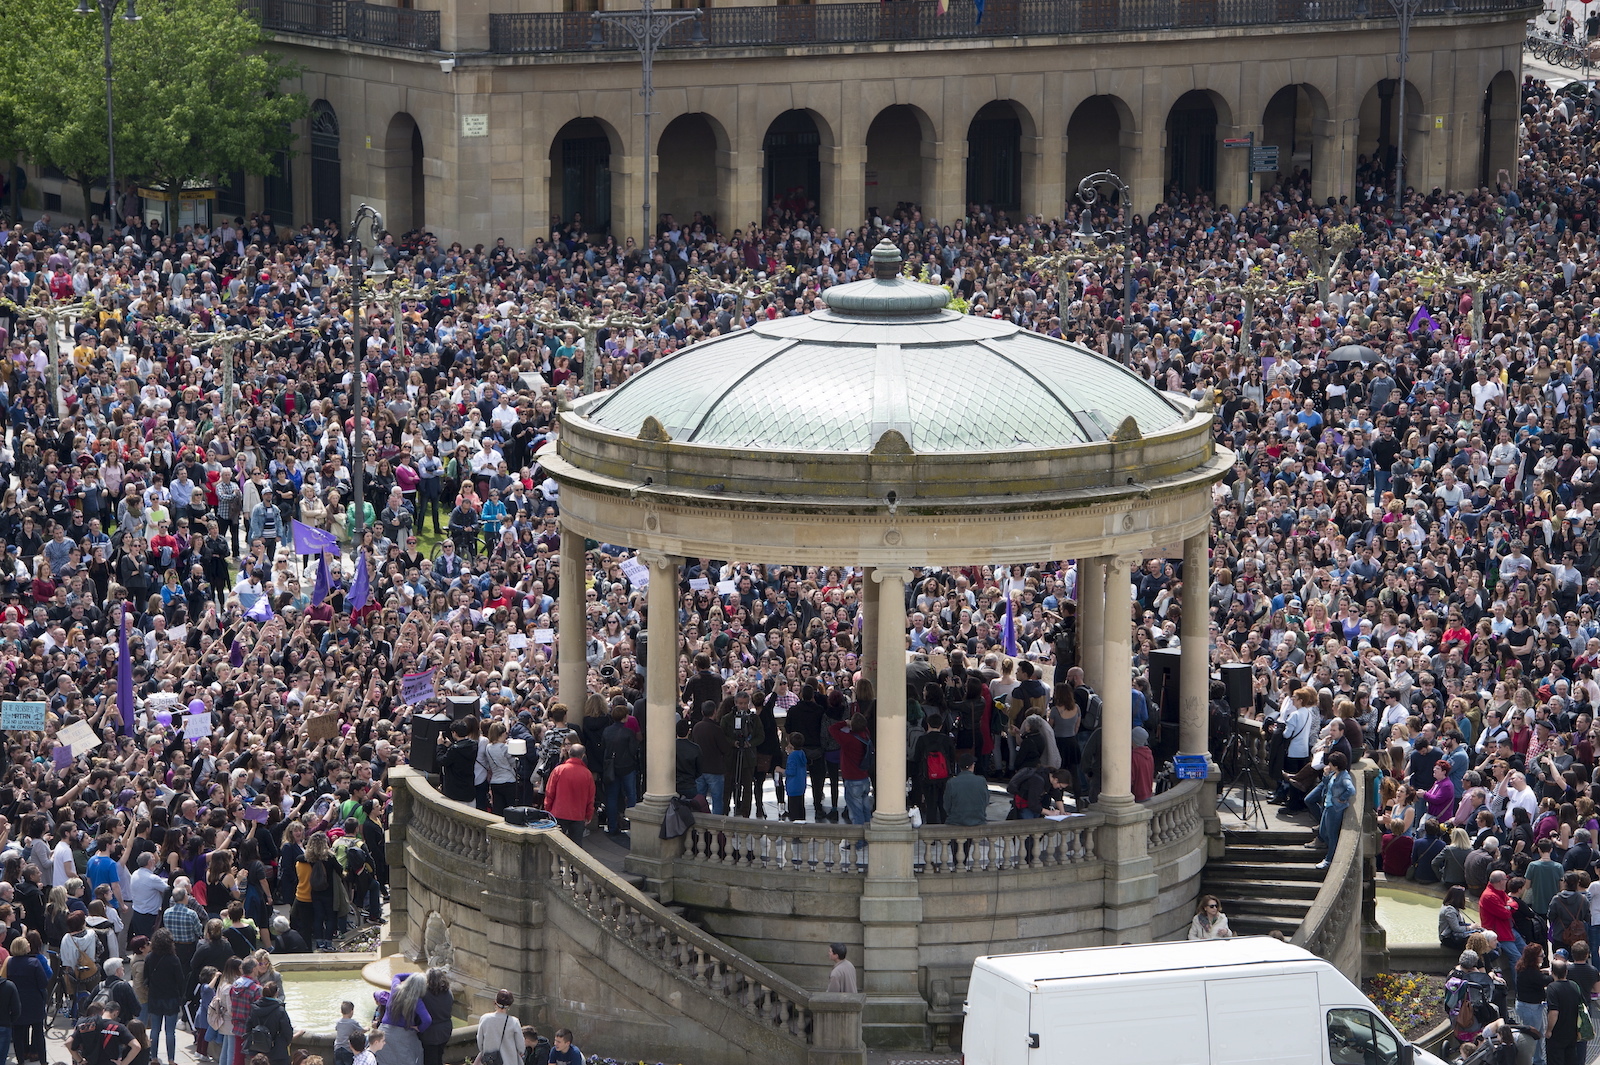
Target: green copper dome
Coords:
[[885, 355]]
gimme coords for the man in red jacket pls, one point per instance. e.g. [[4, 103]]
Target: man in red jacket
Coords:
[[1495, 913], [569, 794]]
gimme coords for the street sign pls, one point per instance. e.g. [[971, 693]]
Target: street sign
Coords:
[[1238, 142], [1264, 159]]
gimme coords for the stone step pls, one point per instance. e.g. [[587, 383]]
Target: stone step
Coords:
[[1218, 883], [1253, 925], [1266, 870], [1293, 853], [1278, 837], [1289, 909]]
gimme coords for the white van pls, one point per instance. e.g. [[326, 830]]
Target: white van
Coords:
[[1215, 1002]]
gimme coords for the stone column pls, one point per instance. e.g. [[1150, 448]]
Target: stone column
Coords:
[[891, 907], [651, 856], [1091, 617], [661, 681], [890, 622], [869, 629], [1116, 688], [1194, 672], [1131, 885], [1194, 680], [572, 669]]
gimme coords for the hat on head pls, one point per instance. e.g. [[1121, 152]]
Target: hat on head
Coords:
[[1141, 738]]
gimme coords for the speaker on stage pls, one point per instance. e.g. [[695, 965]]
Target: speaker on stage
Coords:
[[1238, 679], [425, 732], [463, 706], [1164, 703]]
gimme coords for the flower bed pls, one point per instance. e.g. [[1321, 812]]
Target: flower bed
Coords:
[[1413, 1002]]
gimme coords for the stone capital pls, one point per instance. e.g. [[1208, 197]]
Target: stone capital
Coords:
[[879, 574], [660, 560]]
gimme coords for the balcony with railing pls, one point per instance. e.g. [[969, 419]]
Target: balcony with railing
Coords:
[[919, 20], [839, 24], [351, 20]]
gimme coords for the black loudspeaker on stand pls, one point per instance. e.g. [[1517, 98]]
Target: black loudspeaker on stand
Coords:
[[1238, 763]]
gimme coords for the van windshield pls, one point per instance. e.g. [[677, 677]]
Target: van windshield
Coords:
[[1358, 1037]]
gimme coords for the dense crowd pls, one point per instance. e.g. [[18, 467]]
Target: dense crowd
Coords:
[[1407, 536]]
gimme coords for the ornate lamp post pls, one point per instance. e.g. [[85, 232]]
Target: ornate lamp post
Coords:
[[1087, 236], [646, 29], [358, 372], [107, 10]]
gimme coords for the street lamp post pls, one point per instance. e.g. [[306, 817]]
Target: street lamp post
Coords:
[[358, 371], [1407, 10], [107, 12], [646, 28], [1089, 193]]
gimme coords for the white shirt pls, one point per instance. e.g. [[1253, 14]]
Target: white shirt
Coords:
[[1298, 729], [62, 868], [1524, 799]]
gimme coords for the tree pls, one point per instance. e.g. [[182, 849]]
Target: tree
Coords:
[[196, 94]]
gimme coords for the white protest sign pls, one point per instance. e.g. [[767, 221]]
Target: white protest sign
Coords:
[[637, 572]]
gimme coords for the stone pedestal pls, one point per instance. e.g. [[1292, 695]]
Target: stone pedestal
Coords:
[[650, 856], [895, 1015], [1131, 885]]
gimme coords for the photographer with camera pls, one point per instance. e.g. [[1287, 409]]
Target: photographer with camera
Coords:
[[745, 733]]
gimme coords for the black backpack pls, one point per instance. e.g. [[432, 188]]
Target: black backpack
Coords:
[[260, 1040], [319, 876]]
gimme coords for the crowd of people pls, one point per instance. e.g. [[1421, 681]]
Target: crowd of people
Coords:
[[1403, 550]]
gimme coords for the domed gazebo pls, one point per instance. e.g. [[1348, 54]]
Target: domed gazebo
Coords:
[[890, 433]]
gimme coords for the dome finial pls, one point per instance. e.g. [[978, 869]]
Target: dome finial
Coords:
[[886, 261]]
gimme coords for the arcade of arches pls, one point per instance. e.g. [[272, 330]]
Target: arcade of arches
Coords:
[[750, 133]]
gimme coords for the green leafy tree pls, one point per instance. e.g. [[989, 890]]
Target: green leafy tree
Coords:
[[197, 94]]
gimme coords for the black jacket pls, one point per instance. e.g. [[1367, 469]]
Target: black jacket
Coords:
[[688, 764], [456, 770], [270, 1014]]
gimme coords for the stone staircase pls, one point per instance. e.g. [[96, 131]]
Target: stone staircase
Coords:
[[1267, 880]]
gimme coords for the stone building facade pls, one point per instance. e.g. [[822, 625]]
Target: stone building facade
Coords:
[[492, 118]]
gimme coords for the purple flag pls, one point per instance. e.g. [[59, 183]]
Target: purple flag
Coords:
[[309, 540], [262, 611], [1008, 629], [324, 583], [358, 591], [124, 675], [1421, 316]]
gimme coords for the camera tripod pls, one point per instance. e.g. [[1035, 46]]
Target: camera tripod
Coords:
[[1239, 765]]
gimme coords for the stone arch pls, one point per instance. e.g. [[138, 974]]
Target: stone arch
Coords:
[[327, 196], [1499, 128], [1095, 139], [1377, 124], [404, 188], [1195, 122], [997, 161], [580, 173], [901, 160], [1290, 121], [791, 161], [691, 164]]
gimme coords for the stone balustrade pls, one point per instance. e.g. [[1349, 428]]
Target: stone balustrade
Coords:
[[1006, 846], [1332, 929], [743, 843], [674, 944], [1175, 815], [527, 909]]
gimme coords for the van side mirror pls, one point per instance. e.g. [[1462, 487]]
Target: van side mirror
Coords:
[[1408, 1054]]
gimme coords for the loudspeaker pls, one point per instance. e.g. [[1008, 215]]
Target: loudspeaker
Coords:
[[1164, 680], [522, 816], [425, 732], [1238, 679], [1164, 664], [463, 706]]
